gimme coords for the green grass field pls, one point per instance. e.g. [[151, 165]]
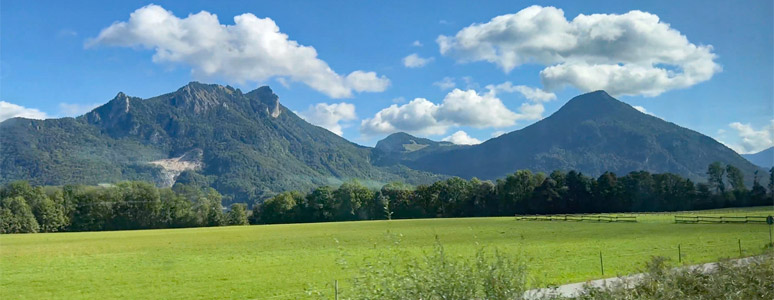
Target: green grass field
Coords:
[[281, 261]]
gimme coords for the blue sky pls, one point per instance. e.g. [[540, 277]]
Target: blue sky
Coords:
[[342, 65]]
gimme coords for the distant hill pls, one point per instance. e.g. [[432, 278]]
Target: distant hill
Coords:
[[763, 159], [246, 145], [401, 147], [592, 133]]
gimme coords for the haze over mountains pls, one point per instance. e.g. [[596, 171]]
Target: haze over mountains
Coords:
[[764, 158], [248, 146]]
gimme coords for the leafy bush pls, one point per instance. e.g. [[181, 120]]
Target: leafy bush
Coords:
[[399, 274]]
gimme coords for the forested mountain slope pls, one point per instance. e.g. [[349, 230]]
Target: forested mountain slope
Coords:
[[246, 145], [592, 133]]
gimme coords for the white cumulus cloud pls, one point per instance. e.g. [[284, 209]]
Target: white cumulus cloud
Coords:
[[366, 82], [415, 61], [75, 109], [468, 108], [458, 108], [497, 133], [252, 49], [749, 139], [628, 54], [417, 44], [643, 110], [417, 116], [532, 94], [446, 83], [330, 116], [461, 138], [532, 110], [9, 110]]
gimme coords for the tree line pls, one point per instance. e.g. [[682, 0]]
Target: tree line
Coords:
[[141, 205], [522, 192], [124, 206]]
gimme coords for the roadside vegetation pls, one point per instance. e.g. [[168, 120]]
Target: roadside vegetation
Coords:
[[435, 274], [494, 276], [751, 280]]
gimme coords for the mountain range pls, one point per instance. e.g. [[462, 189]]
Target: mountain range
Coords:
[[246, 145], [764, 158], [249, 146], [592, 133]]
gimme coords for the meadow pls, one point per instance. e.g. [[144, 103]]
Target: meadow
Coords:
[[282, 261]]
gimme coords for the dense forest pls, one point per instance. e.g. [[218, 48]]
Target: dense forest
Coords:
[[141, 205], [124, 206]]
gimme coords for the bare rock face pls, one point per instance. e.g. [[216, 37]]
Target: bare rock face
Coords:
[[112, 112], [200, 98], [266, 96], [275, 112], [172, 167]]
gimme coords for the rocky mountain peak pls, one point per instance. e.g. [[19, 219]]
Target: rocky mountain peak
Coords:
[[114, 110], [266, 96], [595, 105], [198, 97]]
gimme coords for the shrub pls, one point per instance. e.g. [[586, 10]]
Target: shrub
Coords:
[[398, 274], [751, 280]]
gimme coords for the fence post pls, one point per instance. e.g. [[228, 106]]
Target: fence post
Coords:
[[679, 254], [601, 264], [336, 289]]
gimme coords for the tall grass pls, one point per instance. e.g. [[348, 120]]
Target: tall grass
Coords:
[[750, 280], [399, 274], [489, 274]]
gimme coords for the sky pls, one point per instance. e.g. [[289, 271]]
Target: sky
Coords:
[[461, 71]]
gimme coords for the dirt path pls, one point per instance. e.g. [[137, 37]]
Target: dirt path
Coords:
[[573, 289]]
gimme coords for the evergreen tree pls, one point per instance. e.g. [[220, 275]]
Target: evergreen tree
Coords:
[[771, 184], [579, 195], [758, 192]]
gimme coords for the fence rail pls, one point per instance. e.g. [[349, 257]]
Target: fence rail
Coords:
[[578, 218], [720, 219]]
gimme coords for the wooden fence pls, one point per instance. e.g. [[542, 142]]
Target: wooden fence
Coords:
[[720, 219], [578, 218]]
